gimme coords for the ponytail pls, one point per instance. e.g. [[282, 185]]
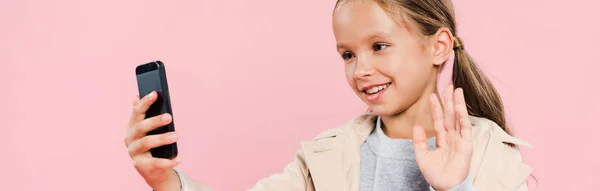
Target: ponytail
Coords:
[[481, 97]]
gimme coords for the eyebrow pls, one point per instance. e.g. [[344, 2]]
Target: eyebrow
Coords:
[[379, 34]]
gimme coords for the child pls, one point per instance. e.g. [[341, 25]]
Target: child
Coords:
[[399, 55]]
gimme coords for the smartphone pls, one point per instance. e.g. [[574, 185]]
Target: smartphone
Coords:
[[152, 77]]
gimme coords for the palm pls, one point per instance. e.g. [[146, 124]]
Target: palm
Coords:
[[448, 165], [153, 176]]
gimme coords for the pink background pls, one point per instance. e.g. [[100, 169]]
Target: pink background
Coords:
[[251, 79]]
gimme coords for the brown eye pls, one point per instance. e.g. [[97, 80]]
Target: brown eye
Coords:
[[347, 55], [379, 46]]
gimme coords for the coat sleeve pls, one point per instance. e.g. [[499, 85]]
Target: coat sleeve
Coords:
[[294, 177], [189, 184]]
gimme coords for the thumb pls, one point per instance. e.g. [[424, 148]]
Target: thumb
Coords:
[[420, 141]]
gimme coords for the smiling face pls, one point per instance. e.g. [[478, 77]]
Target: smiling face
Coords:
[[388, 67]]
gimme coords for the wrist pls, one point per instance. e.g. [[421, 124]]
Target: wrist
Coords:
[[172, 183], [466, 184]]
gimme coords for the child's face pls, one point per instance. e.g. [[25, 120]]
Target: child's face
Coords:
[[380, 52]]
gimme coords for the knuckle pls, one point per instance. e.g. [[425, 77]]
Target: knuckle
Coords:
[[137, 163], [136, 108], [131, 152], [145, 143], [129, 132], [139, 129], [131, 124]]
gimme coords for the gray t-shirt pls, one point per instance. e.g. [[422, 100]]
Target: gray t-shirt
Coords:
[[390, 164]]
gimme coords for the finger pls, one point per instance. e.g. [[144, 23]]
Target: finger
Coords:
[[135, 100], [139, 110], [449, 109], [438, 121], [161, 163], [420, 141], [455, 136], [147, 125], [463, 115], [145, 163], [151, 141]]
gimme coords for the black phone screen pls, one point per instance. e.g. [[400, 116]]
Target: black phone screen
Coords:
[[148, 82]]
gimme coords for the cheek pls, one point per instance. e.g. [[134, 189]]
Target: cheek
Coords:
[[395, 66], [349, 68], [409, 73]]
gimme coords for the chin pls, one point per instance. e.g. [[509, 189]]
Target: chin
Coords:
[[385, 110]]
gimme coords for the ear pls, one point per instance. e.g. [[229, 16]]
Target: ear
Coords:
[[442, 45]]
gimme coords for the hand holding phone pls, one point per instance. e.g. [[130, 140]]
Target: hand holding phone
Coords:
[[150, 137]]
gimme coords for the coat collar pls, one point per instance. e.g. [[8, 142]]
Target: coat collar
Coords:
[[333, 157]]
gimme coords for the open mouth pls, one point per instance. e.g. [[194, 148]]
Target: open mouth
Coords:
[[377, 89]]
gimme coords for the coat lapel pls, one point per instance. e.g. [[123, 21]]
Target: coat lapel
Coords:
[[334, 157], [481, 139], [324, 161], [495, 165]]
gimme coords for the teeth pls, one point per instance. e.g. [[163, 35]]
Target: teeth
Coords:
[[376, 89]]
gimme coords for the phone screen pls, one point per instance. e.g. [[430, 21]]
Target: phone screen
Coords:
[[148, 82]]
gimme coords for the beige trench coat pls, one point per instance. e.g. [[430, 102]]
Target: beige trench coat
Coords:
[[332, 161]]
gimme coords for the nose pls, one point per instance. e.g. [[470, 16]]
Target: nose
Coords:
[[364, 69]]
